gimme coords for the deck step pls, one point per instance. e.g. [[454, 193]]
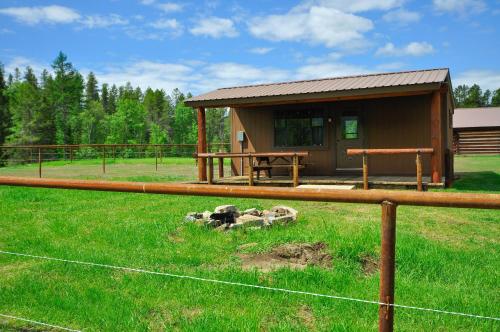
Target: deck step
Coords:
[[326, 186]]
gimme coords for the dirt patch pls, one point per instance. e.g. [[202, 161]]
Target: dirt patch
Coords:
[[307, 317], [369, 264], [192, 313], [293, 256]]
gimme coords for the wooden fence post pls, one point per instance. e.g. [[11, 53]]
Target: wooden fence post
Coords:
[[39, 162], [387, 267], [419, 171], [210, 177], [71, 155], [250, 170], [221, 167], [365, 171], [295, 171]]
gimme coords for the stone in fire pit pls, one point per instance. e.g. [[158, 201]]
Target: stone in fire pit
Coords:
[[227, 217]]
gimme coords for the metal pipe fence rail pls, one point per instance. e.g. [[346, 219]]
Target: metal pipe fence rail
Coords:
[[416, 151], [389, 200], [40, 153]]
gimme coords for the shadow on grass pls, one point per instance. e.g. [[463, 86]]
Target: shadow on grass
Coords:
[[477, 181]]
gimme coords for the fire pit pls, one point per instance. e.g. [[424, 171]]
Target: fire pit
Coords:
[[226, 217]]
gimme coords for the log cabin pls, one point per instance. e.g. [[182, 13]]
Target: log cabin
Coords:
[[477, 130], [326, 117]]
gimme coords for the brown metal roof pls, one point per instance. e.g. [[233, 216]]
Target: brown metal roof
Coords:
[[476, 117], [310, 88]]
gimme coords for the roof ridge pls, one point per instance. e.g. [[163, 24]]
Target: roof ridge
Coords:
[[334, 78]]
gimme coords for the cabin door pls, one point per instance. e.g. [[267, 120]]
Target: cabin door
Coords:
[[349, 135]]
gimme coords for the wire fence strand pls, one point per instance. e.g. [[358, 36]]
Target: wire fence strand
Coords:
[[173, 275], [39, 323]]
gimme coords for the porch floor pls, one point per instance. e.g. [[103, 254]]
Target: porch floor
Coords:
[[409, 182]]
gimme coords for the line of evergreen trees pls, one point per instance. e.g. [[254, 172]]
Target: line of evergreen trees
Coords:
[[474, 96], [65, 108]]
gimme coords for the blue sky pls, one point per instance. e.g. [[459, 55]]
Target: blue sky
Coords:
[[201, 45]]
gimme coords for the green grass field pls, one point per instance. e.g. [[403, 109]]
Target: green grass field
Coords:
[[446, 258]]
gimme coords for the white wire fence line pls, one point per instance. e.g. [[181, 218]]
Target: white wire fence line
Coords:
[[232, 283], [39, 323]]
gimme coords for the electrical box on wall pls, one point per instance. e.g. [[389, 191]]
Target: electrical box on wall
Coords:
[[240, 136]]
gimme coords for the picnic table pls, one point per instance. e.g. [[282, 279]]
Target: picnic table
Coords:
[[260, 161]]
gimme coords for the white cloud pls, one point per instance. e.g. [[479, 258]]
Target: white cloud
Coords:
[[317, 25], [100, 21], [147, 2], [215, 27], [61, 15], [199, 77], [401, 16], [390, 66], [23, 62], [169, 24], [47, 14], [169, 7], [145, 74], [353, 6], [261, 50], [333, 69], [412, 49], [462, 7], [486, 79]]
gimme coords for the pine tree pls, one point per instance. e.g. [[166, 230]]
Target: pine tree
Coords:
[[495, 99], [474, 97], [105, 98], [91, 89], [47, 117], [460, 94], [24, 105], [113, 99], [5, 121], [67, 93], [10, 80]]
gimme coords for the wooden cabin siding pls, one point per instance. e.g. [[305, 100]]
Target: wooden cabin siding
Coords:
[[397, 122], [484, 140]]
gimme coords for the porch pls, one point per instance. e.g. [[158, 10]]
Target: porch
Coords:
[[387, 182]]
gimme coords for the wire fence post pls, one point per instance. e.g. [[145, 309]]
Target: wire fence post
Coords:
[[156, 158], [387, 267], [103, 160], [39, 162]]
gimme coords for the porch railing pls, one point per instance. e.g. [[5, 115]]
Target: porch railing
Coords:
[[366, 152]]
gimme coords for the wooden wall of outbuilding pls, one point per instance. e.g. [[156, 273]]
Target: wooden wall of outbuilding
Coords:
[[393, 122]]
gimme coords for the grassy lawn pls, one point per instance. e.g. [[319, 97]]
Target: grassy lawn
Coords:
[[446, 258]]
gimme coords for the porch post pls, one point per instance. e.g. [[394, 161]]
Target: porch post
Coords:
[[436, 138], [202, 144]]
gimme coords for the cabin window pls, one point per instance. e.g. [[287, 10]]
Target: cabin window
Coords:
[[301, 128], [350, 127]]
